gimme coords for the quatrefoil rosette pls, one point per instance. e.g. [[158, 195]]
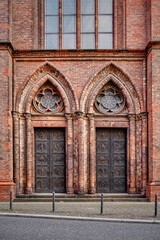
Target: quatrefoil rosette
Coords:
[[48, 100], [109, 100]]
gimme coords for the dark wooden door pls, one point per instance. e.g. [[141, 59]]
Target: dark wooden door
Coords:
[[50, 160], [111, 160]]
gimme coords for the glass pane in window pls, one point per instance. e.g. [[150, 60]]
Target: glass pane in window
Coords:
[[87, 41], [52, 7], [104, 23], [52, 41], [105, 41], [87, 6], [105, 6], [68, 24], [69, 41], [69, 7], [52, 24], [87, 24]]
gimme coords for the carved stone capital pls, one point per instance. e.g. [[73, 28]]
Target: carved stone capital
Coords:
[[132, 117], [15, 114], [138, 117], [90, 116], [79, 115], [27, 115], [143, 115], [69, 116]]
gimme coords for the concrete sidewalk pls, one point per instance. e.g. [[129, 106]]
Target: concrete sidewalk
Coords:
[[114, 210]]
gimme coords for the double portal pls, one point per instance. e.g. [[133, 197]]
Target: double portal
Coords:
[[50, 167]]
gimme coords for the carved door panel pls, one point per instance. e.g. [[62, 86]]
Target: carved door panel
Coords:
[[57, 157], [111, 160], [50, 160]]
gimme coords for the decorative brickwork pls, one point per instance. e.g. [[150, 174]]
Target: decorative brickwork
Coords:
[[45, 73]]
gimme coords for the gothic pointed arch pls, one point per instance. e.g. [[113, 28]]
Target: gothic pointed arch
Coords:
[[113, 74], [44, 73]]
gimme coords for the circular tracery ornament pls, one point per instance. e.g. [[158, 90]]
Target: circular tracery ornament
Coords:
[[48, 100], [109, 100]]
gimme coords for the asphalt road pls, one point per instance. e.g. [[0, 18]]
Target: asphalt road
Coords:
[[12, 228]]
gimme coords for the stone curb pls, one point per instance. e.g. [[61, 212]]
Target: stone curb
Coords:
[[58, 217]]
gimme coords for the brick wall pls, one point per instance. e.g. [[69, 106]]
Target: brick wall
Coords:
[[22, 22], [155, 20], [4, 21], [136, 25], [6, 156], [153, 123]]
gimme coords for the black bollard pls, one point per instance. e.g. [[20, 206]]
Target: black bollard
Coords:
[[101, 203], [156, 197], [10, 200], [53, 202]]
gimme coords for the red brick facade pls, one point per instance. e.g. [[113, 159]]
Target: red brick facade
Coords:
[[133, 67]]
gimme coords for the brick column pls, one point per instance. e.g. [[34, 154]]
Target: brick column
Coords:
[[79, 116], [22, 153], [29, 153], [69, 158], [16, 155], [92, 154], [132, 153], [144, 152], [153, 106], [138, 163]]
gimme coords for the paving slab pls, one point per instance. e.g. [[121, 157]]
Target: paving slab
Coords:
[[116, 210]]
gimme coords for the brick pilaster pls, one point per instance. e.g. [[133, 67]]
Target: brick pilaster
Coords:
[[29, 152], [16, 146], [92, 154], [69, 167], [79, 116], [132, 152]]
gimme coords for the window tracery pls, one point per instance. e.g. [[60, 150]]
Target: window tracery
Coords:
[[109, 100], [48, 100]]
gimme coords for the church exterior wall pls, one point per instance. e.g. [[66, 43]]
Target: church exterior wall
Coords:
[[132, 68]]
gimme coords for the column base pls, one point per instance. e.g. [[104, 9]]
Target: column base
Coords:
[[29, 190], [5, 188], [152, 189], [81, 191], [92, 190], [70, 191], [132, 190]]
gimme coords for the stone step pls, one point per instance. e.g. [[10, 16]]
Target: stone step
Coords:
[[81, 199], [86, 196]]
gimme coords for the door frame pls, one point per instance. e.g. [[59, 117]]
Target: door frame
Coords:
[[27, 154]]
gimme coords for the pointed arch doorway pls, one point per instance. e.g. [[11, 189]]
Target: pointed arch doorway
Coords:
[[48, 105]]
